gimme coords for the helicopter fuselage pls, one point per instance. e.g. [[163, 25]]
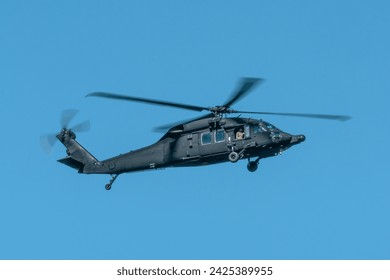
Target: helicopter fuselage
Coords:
[[202, 142]]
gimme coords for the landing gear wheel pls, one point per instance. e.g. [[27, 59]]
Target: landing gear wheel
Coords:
[[113, 178], [233, 157], [252, 166]]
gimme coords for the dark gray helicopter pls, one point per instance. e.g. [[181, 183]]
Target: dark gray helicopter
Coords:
[[209, 139]]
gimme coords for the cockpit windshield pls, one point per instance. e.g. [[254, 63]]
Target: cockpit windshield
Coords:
[[263, 127], [269, 126]]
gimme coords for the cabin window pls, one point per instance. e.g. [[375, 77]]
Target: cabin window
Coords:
[[219, 136], [206, 138]]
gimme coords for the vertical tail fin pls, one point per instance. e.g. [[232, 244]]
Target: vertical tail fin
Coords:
[[78, 157]]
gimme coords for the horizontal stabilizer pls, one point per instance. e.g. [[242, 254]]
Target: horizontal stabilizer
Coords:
[[72, 163]]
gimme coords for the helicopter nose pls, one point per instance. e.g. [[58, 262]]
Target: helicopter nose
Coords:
[[296, 139]]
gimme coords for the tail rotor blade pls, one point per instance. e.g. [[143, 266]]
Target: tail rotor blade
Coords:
[[67, 116], [47, 142], [82, 127]]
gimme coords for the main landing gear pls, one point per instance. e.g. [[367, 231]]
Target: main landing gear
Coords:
[[234, 157], [252, 165], [108, 186]]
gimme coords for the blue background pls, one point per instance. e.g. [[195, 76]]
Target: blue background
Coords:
[[327, 198]]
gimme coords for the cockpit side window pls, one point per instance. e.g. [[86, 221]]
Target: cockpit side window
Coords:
[[259, 128]]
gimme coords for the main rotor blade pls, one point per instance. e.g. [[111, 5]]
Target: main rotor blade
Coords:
[[245, 86], [316, 116], [164, 128], [67, 116], [147, 100]]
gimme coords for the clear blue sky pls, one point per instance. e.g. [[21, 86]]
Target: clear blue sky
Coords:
[[327, 198]]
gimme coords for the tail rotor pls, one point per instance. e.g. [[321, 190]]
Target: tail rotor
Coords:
[[48, 141]]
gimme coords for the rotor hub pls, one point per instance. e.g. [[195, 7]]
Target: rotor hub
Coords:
[[220, 110]]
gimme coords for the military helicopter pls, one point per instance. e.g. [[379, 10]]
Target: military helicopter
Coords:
[[209, 139]]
